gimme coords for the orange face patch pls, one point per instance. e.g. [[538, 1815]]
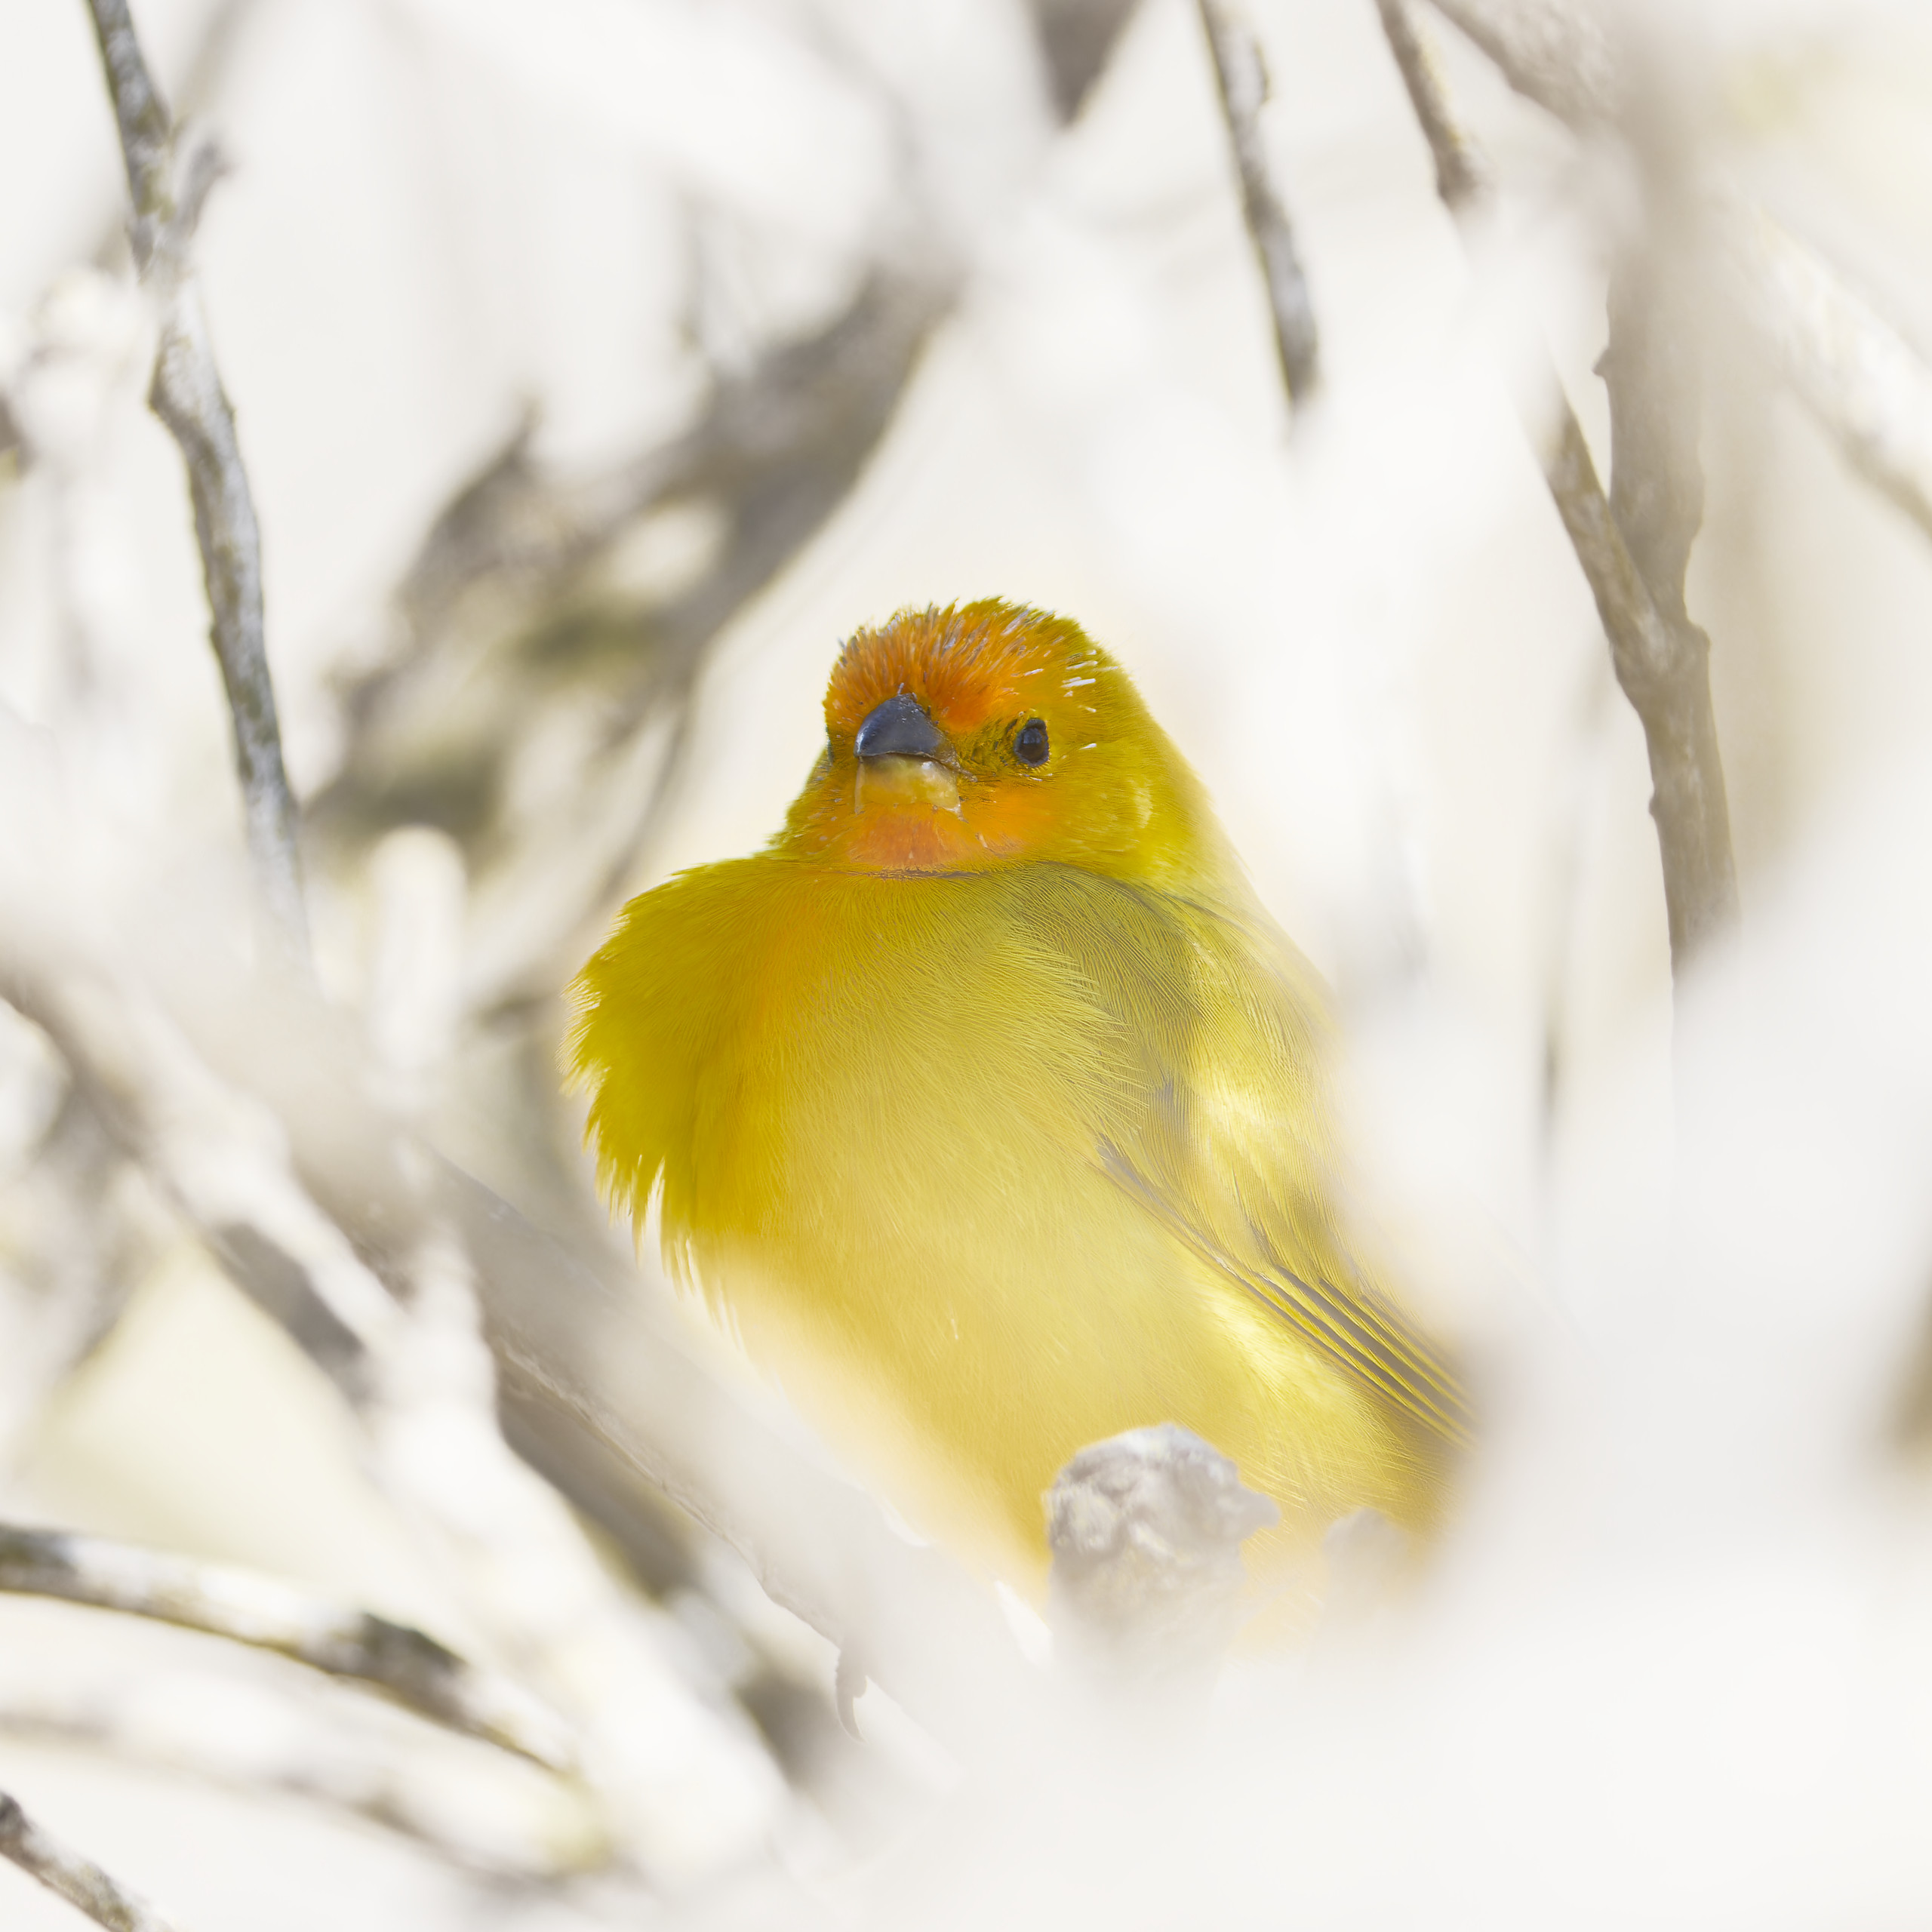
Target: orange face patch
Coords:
[[979, 672]]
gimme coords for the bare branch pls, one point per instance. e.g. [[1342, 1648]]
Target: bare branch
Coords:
[[1461, 177], [77, 1880], [187, 395], [1242, 80], [1651, 369], [334, 1638], [1661, 659]]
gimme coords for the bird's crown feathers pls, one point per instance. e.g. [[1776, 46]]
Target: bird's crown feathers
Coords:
[[967, 664]]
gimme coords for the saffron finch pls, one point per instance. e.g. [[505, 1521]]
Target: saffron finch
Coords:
[[989, 1104]]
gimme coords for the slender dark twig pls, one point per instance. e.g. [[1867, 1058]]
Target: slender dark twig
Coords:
[[1461, 178], [1243, 82], [335, 1638], [1635, 572], [77, 1880], [167, 189]]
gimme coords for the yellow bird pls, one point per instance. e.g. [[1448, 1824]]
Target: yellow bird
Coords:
[[989, 1104]]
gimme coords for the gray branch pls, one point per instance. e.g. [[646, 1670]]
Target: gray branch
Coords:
[[1461, 178], [1660, 657], [77, 1880], [1242, 80], [167, 188], [336, 1639], [1656, 498]]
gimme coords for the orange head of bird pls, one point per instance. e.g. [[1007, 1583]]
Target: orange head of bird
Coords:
[[984, 735]]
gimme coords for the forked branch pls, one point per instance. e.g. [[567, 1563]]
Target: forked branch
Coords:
[[167, 186], [1636, 573]]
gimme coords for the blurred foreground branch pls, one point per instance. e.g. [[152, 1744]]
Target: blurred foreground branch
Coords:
[[520, 1823], [1868, 389], [167, 185], [522, 597], [77, 1880], [402, 1662], [1241, 80], [291, 1185], [1661, 659]]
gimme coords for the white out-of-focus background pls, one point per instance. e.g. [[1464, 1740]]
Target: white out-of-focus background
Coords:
[[599, 365]]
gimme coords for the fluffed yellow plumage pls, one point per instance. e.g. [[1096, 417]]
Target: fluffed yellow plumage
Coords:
[[990, 1104]]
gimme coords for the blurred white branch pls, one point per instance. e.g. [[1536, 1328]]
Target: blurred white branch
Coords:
[[75, 1226], [1241, 80], [680, 1783], [502, 1820], [77, 1880], [1870, 391], [167, 185], [335, 1638]]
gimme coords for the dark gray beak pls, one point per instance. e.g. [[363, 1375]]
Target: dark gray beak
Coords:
[[898, 728]]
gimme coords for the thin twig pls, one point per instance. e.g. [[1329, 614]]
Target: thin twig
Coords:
[[167, 189], [77, 1880], [1461, 177], [1242, 80], [335, 1638], [1661, 659]]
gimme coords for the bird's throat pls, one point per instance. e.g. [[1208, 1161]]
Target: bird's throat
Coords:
[[912, 786]]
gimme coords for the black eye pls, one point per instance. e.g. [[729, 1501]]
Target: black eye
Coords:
[[1030, 746]]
